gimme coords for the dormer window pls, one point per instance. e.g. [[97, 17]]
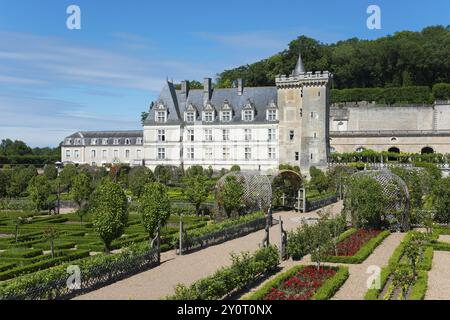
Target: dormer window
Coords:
[[78, 142], [225, 116], [272, 115], [248, 112], [127, 142], [248, 115], [105, 141], [161, 116], [208, 116], [226, 113], [116, 141], [93, 142], [139, 141], [69, 141], [190, 116]]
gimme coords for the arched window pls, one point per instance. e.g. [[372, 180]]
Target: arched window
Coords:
[[394, 150], [427, 150]]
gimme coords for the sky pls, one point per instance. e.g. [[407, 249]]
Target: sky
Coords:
[[55, 81]]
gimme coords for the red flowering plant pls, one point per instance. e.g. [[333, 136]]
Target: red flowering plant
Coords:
[[301, 286], [352, 244]]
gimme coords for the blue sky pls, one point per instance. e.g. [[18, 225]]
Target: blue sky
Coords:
[[55, 81]]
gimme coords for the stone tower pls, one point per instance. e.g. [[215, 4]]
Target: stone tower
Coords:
[[304, 103]]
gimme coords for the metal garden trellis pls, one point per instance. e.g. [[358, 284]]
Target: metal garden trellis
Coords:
[[396, 191]]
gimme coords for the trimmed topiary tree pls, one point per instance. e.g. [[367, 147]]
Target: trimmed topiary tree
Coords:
[[110, 212], [154, 208], [81, 192], [196, 190], [231, 195], [40, 190], [138, 178]]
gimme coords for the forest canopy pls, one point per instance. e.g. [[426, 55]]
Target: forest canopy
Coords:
[[404, 59]]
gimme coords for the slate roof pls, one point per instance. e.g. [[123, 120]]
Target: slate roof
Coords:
[[87, 136], [176, 103]]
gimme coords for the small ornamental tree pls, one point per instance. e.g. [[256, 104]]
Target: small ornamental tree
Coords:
[[109, 207], [50, 172], [235, 168], [51, 234], [231, 195], [162, 174], [81, 192], [40, 190], [67, 175], [319, 240], [138, 178], [196, 190], [154, 208], [319, 180]]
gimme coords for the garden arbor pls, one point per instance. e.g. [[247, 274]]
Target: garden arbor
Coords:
[[287, 189], [257, 191], [396, 192]]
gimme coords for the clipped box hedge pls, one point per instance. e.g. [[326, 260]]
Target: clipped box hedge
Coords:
[[20, 253]]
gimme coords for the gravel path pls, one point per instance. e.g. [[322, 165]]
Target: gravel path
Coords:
[[444, 238], [356, 285], [160, 281], [439, 277]]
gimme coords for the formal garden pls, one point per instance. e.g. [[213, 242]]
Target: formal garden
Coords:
[[123, 219]]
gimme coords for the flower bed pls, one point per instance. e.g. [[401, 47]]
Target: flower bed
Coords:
[[352, 244], [303, 283], [357, 247]]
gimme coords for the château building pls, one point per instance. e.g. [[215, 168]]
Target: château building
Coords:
[[259, 128]]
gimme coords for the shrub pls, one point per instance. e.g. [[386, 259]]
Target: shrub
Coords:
[[246, 268], [366, 203], [441, 91]]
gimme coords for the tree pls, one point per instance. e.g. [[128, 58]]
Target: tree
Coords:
[[366, 202], [51, 234], [319, 240], [231, 195], [163, 174], [67, 175], [235, 168], [138, 178], [109, 207], [50, 172], [154, 207], [441, 200], [81, 192], [40, 190], [319, 181], [195, 171], [196, 190], [144, 116], [4, 182], [20, 178]]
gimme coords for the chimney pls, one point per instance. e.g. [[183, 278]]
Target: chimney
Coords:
[[207, 90], [185, 88], [240, 87]]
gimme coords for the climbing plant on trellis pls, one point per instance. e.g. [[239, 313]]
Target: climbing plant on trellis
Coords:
[[396, 191]]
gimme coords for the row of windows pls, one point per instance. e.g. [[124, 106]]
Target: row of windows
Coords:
[[225, 116], [208, 135], [103, 141], [208, 153], [104, 154]]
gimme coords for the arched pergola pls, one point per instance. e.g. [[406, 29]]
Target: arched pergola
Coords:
[[257, 189], [285, 188], [396, 191]]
